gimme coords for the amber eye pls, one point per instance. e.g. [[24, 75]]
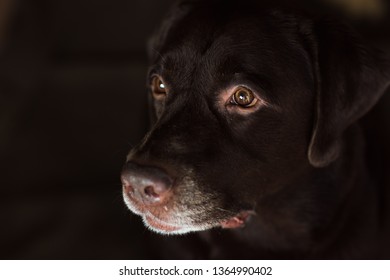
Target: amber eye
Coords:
[[244, 97], [158, 87]]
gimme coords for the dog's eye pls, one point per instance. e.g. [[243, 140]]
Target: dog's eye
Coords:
[[243, 97], [158, 87]]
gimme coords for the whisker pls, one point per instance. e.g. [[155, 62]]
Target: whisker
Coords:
[[225, 210]]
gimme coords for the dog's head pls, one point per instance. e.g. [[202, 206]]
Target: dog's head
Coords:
[[248, 101]]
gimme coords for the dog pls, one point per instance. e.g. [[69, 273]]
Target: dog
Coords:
[[256, 145]]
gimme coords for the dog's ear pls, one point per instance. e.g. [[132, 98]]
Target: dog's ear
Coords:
[[350, 79]]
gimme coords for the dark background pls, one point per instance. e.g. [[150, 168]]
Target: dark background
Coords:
[[72, 103]]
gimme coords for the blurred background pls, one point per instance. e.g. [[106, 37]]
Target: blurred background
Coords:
[[72, 104]]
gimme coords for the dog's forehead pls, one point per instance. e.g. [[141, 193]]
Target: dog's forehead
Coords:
[[205, 33], [206, 48]]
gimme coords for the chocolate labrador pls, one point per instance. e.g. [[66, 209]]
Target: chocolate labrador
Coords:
[[255, 138]]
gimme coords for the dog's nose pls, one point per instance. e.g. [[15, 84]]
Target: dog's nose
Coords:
[[146, 184]]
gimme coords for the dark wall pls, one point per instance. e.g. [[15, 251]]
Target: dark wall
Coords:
[[72, 103]]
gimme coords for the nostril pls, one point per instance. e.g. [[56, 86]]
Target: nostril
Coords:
[[150, 192]]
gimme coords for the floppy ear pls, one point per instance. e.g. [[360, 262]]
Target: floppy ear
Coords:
[[350, 80]]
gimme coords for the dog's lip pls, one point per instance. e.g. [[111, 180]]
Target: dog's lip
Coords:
[[150, 219], [237, 221], [159, 225]]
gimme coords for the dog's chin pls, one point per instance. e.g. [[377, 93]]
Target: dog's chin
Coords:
[[156, 225], [162, 227], [172, 226]]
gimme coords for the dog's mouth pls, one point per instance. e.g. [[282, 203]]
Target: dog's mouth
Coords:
[[239, 220], [161, 226]]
